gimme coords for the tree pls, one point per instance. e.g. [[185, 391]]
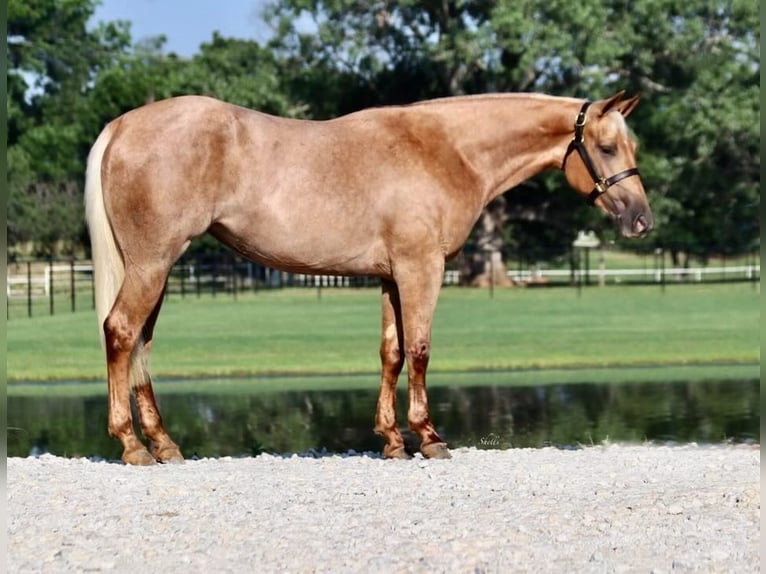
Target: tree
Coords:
[[238, 71], [51, 57], [705, 128]]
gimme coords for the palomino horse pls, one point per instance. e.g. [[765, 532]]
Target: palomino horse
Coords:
[[390, 192]]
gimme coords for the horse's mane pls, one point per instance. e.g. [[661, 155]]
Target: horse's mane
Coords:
[[491, 96]]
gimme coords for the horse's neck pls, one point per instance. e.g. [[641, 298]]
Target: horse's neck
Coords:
[[509, 138]]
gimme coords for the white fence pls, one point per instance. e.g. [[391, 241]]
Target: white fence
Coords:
[[745, 272], [40, 284]]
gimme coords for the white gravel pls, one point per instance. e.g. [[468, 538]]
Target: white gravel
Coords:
[[614, 508]]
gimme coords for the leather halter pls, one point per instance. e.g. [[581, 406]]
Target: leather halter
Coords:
[[601, 184]]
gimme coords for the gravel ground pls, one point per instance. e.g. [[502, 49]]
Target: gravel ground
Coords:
[[614, 508]]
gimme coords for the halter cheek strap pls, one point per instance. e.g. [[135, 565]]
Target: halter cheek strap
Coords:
[[601, 184]]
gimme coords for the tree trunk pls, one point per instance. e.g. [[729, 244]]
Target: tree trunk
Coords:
[[486, 266]]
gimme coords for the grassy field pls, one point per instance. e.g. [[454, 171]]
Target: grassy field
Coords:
[[294, 332]]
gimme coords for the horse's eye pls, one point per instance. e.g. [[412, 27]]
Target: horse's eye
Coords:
[[608, 149]]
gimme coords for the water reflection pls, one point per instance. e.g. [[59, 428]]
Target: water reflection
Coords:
[[485, 417]]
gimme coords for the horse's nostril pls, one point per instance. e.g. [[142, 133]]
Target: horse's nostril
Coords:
[[641, 225]]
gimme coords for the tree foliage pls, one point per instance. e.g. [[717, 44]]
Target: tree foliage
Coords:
[[52, 59], [695, 63]]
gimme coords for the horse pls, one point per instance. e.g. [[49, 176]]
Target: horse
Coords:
[[391, 192]]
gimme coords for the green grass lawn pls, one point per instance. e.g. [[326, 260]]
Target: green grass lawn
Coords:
[[292, 331]]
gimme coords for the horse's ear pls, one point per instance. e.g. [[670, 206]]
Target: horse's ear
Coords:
[[626, 106], [616, 103], [606, 105]]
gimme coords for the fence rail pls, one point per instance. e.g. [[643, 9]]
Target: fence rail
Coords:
[[697, 274], [52, 286]]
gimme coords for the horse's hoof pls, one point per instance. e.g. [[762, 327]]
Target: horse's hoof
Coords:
[[435, 450], [170, 454], [397, 453], [175, 459], [138, 457]]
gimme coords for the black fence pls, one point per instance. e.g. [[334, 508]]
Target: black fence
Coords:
[[232, 275], [50, 286], [37, 287]]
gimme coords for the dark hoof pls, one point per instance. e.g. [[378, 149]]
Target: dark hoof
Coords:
[[398, 452], [435, 450]]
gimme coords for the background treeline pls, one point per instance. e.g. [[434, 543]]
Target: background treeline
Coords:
[[696, 64]]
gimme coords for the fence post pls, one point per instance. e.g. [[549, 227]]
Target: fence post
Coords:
[[197, 276], [491, 274], [29, 289], [182, 269], [50, 284], [234, 277], [213, 273], [71, 283], [754, 277]]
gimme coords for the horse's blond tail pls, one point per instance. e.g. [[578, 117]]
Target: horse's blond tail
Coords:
[[108, 264]]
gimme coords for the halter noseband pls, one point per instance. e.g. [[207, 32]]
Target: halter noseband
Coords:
[[601, 184]]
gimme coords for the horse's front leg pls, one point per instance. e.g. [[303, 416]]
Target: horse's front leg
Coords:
[[391, 360], [419, 287]]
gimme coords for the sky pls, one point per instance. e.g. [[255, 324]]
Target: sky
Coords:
[[187, 23]]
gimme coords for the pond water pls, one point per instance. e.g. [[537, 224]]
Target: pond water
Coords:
[[245, 421]]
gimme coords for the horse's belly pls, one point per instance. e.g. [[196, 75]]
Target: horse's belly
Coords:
[[309, 247]]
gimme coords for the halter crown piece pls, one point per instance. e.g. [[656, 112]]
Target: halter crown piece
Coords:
[[601, 184]]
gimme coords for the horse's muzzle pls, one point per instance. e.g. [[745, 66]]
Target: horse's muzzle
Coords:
[[631, 216], [635, 224], [642, 224]]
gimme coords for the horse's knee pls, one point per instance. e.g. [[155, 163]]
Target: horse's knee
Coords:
[[119, 336]]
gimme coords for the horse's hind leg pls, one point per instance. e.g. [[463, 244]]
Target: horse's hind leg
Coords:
[[392, 360], [123, 328], [163, 449]]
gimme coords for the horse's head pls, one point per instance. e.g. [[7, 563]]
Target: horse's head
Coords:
[[600, 163]]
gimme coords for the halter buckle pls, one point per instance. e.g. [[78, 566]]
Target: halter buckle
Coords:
[[581, 120]]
